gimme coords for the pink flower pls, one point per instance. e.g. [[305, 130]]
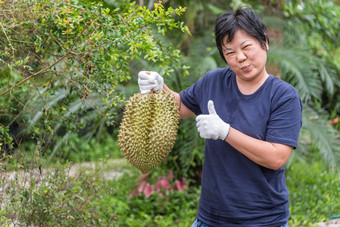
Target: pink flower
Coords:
[[163, 186], [334, 121], [184, 181], [142, 187], [171, 175], [179, 185], [163, 182], [148, 190]]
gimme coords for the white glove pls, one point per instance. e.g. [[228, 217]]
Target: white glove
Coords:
[[211, 126], [148, 81]]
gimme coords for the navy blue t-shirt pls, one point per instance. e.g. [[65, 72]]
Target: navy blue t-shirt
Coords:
[[235, 190]]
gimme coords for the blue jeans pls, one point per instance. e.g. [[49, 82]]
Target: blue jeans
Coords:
[[198, 223]]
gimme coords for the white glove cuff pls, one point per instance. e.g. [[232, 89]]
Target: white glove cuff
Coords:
[[224, 131]]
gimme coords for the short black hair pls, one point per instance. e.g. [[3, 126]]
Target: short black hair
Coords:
[[242, 19]]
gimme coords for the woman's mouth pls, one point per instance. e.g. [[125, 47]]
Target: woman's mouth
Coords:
[[245, 68]]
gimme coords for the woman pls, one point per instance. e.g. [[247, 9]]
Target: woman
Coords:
[[251, 122]]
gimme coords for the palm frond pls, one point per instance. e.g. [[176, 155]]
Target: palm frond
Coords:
[[327, 76], [59, 95], [317, 132], [59, 144], [297, 67]]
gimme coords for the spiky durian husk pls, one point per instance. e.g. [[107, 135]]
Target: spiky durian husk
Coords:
[[148, 129]]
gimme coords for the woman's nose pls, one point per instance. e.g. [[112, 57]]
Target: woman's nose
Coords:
[[241, 57]]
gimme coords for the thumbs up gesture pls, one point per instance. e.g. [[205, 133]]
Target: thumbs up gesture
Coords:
[[211, 126]]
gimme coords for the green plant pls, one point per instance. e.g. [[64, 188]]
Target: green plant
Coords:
[[65, 63], [5, 222], [166, 206], [79, 149], [5, 139], [313, 192], [58, 199]]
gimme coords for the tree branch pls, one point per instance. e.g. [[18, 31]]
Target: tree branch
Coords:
[[35, 74], [44, 69], [3, 29]]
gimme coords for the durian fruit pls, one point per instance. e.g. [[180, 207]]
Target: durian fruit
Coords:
[[148, 129]]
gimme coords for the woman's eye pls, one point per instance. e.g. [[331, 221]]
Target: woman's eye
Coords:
[[245, 47], [229, 53]]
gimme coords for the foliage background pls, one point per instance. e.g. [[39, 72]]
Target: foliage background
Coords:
[[67, 66]]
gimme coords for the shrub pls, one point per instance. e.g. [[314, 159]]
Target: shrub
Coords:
[[58, 200], [170, 204], [314, 193]]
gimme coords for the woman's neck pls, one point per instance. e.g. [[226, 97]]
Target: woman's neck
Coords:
[[248, 87]]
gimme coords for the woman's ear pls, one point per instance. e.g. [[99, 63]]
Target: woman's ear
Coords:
[[267, 41]]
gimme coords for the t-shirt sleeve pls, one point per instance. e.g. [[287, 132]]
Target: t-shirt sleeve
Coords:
[[286, 119], [192, 96]]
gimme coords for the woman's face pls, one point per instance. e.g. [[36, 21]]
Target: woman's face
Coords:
[[246, 57]]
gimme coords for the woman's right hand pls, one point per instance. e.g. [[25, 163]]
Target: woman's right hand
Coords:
[[148, 81]]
